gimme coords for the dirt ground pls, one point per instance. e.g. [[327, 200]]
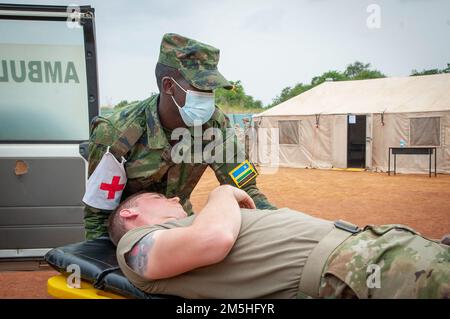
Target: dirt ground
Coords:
[[25, 284], [418, 201]]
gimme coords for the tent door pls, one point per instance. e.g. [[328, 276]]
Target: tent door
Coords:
[[356, 141], [369, 138], [339, 141]]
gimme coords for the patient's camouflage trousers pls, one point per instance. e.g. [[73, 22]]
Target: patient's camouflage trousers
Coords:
[[390, 261]]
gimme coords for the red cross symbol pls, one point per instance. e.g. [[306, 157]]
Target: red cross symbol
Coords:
[[113, 187]]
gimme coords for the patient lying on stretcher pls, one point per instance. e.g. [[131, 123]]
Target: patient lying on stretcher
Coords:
[[232, 250]]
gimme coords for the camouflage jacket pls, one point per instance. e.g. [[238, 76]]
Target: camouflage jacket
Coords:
[[136, 132]]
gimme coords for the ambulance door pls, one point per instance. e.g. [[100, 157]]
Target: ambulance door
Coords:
[[49, 94]]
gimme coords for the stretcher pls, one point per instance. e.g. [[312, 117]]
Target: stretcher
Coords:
[[100, 275]]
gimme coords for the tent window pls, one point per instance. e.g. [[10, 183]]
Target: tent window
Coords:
[[288, 132], [425, 131]]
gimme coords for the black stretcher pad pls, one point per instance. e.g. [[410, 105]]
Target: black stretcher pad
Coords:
[[98, 265]]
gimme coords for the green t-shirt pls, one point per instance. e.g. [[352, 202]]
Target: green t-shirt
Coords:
[[266, 261]]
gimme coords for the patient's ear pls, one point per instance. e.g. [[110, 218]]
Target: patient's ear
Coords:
[[128, 213], [174, 199]]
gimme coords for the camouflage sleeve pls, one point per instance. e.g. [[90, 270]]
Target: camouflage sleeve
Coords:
[[95, 220], [222, 169]]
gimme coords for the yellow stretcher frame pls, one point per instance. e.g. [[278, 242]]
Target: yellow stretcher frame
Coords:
[[57, 287]]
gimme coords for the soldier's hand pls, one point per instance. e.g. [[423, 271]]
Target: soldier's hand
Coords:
[[247, 203], [241, 197]]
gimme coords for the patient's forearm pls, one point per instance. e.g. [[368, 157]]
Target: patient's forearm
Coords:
[[221, 213]]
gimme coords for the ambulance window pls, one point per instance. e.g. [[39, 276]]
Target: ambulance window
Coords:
[[288, 132], [425, 131], [43, 85]]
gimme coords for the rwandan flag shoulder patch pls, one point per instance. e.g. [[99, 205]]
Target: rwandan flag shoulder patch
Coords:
[[243, 173]]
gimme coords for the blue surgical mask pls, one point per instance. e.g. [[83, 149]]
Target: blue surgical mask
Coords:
[[198, 108]]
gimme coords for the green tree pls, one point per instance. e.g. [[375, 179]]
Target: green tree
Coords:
[[288, 93], [124, 103], [447, 69], [431, 71], [354, 71], [236, 98], [333, 75], [361, 71], [425, 72], [121, 104]]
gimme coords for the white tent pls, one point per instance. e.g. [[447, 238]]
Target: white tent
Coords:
[[353, 124]]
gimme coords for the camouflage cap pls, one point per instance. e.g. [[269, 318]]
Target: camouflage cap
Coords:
[[196, 61]]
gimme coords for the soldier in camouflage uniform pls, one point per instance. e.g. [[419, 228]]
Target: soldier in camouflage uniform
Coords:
[[141, 132]]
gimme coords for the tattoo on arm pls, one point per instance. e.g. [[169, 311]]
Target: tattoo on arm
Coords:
[[137, 258]]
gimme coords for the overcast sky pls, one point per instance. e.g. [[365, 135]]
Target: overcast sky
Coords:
[[267, 44]]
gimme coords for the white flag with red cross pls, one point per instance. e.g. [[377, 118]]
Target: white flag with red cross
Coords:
[[105, 186]]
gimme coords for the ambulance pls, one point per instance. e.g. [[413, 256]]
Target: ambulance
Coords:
[[48, 96]]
